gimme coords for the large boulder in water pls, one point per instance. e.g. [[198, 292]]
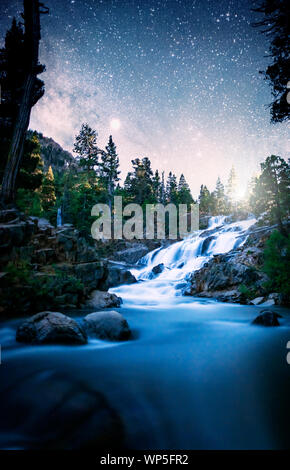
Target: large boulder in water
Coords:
[[100, 299], [51, 410], [158, 269], [116, 276], [267, 318], [50, 328], [109, 325]]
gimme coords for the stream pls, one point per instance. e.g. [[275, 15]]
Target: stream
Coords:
[[197, 375]]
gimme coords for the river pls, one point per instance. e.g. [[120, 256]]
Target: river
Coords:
[[197, 374]]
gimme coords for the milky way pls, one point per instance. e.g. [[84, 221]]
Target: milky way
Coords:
[[181, 77]]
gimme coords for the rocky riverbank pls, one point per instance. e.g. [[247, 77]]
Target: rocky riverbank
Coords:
[[236, 276], [44, 268]]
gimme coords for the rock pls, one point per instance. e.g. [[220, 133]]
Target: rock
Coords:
[[158, 269], [16, 234], [9, 215], [203, 222], [57, 411], [279, 299], [100, 299], [257, 301], [206, 244], [268, 303], [267, 318], [233, 296], [108, 325], [133, 254], [115, 276], [90, 274], [50, 328]]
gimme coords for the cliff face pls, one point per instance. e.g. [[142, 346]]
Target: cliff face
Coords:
[[236, 276]]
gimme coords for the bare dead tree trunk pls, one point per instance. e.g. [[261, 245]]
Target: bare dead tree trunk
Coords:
[[31, 38]]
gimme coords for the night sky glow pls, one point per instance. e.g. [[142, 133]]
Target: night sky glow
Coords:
[[176, 81]]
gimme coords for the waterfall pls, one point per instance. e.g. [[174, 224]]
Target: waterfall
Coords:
[[181, 258], [59, 218]]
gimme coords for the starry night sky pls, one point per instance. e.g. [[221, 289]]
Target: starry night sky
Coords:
[[181, 77]]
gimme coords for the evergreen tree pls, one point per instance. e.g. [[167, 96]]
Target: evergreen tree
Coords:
[[48, 191], [271, 194], [205, 200], [232, 189], [109, 168], [171, 188], [31, 172], [139, 183], [277, 263], [163, 190], [86, 148], [157, 187], [219, 198], [184, 194], [277, 26]]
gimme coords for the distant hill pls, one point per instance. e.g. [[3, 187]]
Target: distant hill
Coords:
[[52, 153]]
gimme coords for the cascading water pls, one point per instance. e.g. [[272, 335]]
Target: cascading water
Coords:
[[179, 259], [198, 374]]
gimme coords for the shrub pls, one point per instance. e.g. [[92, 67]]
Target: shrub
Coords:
[[277, 263]]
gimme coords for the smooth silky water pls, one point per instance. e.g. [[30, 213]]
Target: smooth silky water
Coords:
[[197, 375]]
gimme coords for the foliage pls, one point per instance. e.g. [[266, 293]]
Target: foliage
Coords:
[[37, 291], [48, 197], [29, 202], [30, 175], [109, 168], [271, 191], [247, 292], [277, 263], [86, 149], [275, 25]]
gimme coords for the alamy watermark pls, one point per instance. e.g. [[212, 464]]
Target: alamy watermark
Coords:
[[170, 221]]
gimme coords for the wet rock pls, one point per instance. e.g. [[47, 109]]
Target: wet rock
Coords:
[[257, 301], [268, 303], [53, 410], [233, 296], [206, 244], [50, 328], [267, 318], [115, 276], [279, 299], [9, 215], [133, 254], [108, 325], [100, 299], [158, 269], [223, 273]]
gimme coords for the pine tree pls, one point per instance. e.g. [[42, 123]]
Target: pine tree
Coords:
[[205, 200], [171, 188], [141, 184], [30, 175], [48, 191], [219, 197], [109, 168], [184, 194], [163, 190], [271, 194], [157, 188], [231, 189], [86, 148]]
